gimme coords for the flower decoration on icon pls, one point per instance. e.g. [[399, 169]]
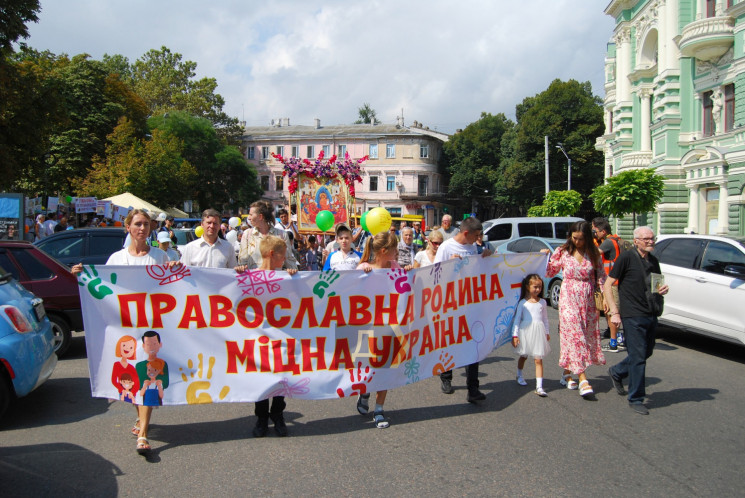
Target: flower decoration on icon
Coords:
[[349, 169]]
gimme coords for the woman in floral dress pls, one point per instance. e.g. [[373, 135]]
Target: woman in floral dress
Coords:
[[579, 335]]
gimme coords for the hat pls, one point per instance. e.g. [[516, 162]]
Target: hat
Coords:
[[342, 226], [163, 237]]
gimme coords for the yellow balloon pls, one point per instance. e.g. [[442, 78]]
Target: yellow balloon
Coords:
[[199, 231], [378, 220]]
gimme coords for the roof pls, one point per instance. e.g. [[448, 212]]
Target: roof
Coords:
[[338, 131]]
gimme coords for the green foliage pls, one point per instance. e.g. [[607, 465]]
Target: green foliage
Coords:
[[14, 15], [558, 203], [366, 115], [634, 191]]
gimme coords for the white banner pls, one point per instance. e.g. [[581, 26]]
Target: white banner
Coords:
[[85, 205], [200, 335], [103, 208]]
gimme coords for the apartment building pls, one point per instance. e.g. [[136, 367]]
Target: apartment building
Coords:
[[402, 173]]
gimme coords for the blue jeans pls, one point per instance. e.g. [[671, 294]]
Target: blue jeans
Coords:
[[640, 334]]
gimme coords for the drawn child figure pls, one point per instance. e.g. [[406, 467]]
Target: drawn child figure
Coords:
[[384, 250], [126, 350], [127, 383], [530, 334], [152, 388], [273, 250]]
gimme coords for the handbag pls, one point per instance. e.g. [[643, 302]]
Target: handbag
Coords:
[[598, 294], [655, 302]]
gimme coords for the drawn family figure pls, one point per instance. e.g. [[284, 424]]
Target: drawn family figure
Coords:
[[126, 350], [127, 383], [149, 371]]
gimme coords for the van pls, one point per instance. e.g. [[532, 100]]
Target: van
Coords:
[[501, 230]]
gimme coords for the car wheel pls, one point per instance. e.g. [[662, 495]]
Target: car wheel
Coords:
[[62, 335], [554, 290]]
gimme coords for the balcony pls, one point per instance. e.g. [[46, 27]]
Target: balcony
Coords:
[[708, 39], [635, 160]]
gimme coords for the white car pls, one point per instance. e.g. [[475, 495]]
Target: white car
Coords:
[[706, 275]]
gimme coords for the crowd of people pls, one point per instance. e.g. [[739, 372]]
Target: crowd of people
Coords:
[[268, 244]]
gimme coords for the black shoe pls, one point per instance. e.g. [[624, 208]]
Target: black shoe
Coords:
[[475, 395], [262, 427], [279, 424], [617, 383], [447, 388], [605, 334], [639, 408]]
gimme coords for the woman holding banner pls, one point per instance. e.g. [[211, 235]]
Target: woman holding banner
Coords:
[[427, 257], [138, 253]]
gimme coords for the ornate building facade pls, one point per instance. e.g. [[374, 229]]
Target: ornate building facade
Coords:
[[402, 173], [675, 102]]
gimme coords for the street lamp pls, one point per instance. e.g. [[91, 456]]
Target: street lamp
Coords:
[[569, 165]]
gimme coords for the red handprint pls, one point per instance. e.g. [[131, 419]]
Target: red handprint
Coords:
[[360, 379], [446, 363]]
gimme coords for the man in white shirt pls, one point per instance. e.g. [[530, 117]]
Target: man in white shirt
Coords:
[[50, 223], [209, 250], [345, 258], [463, 244]]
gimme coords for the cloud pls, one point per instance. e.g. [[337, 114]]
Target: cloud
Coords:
[[443, 62]]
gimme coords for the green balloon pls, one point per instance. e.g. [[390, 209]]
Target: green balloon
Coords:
[[324, 220], [68, 199], [363, 221]]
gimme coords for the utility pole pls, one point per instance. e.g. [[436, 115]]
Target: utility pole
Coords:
[[569, 165], [546, 161]]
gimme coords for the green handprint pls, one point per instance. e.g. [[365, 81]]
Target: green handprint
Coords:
[[93, 282]]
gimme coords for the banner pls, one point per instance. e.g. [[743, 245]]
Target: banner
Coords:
[[85, 205], [199, 335]]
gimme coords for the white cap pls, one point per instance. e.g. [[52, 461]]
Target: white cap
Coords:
[[163, 237]]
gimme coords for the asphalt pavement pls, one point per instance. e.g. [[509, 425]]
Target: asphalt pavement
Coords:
[[59, 441]]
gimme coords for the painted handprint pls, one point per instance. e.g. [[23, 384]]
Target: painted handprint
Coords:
[[165, 275], [291, 390], [436, 270], [325, 279], [94, 284], [446, 363], [360, 380], [399, 278], [193, 394]]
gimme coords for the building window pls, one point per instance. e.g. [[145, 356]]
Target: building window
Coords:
[[390, 151], [265, 152], [280, 150], [342, 151], [279, 183], [711, 9], [729, 107], [708, 124], [373, 184], [423, 181], [295, 151], [390, 183], [252, 152], [265, 183], [394, 211], [424, 151], [326, 150], [310, 152], [373, 153]]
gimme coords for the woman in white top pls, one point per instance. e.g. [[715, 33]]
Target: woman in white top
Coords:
[[249, 255], [39, 229], [427, 257], [138, 253]]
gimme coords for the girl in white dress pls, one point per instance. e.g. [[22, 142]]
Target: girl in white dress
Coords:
[[530, 330]]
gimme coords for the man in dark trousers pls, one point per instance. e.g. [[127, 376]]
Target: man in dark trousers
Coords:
[[634, 270]]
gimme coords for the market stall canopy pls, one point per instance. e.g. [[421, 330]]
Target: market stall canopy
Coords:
[[130, 200]]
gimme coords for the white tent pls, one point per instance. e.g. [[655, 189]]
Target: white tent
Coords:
[[128, 200]]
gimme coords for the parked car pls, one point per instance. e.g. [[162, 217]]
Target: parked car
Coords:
[[50, 280], [90, 246], [184, 236], [706, 275], [501, 230], [551, 286], [27, 356]]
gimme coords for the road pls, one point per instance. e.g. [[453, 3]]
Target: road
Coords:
[[59, 441]]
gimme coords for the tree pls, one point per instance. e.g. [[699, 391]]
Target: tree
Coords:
[[366, 115], [14, 15], [566, 112], [558, 203], [473, 158], [634, 191]]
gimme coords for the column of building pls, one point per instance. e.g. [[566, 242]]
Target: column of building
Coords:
[[693, 209], [646, 137], [723, 212]]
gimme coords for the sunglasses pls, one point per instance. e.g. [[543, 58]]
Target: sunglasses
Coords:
[[435, 243]]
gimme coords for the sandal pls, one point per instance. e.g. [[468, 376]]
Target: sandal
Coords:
[[380, 421], [567, 380], [136, 428], [143, 446], [586, 390]]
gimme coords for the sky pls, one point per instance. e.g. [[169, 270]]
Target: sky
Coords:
[[440, 62]]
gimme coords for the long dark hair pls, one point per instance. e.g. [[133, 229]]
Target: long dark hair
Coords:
[[590, 248], [525, 286]]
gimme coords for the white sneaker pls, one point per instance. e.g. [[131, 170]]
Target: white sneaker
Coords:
[[521, 381], [540, 392]]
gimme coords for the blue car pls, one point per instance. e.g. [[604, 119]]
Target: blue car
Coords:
[[551, 286], [27, 356]]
